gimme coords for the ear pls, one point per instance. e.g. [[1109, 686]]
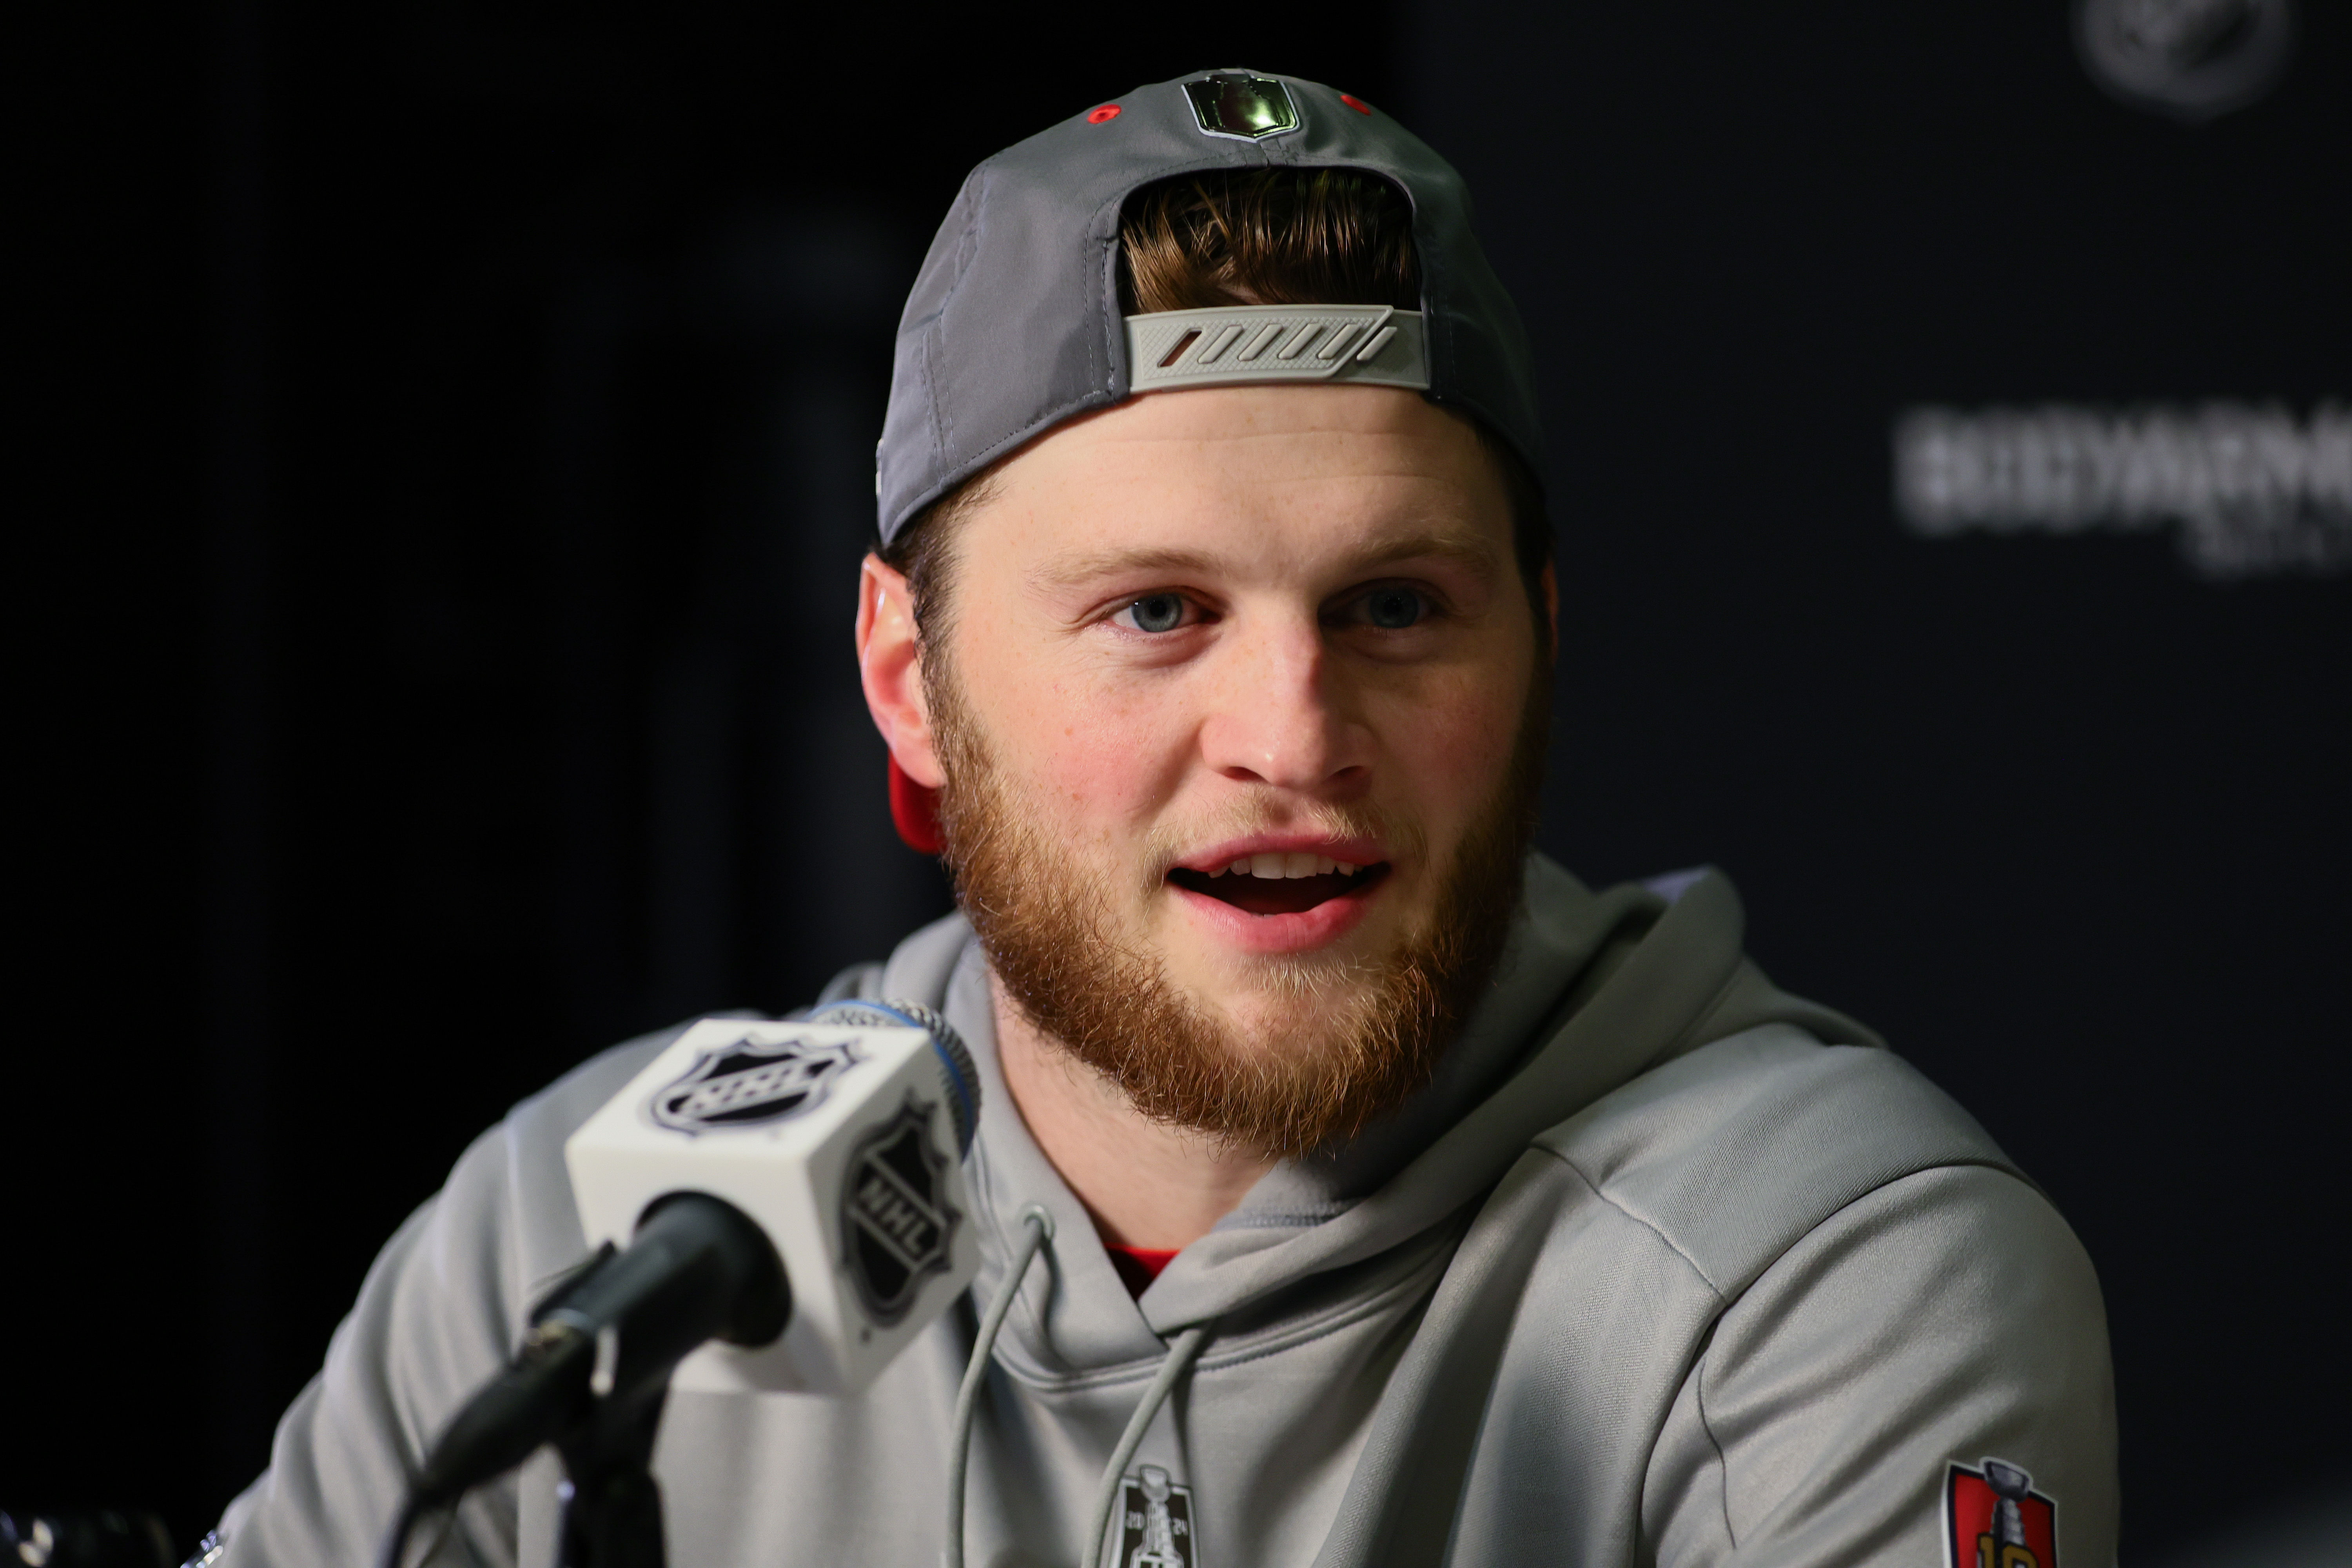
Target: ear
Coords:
[[889, 667]]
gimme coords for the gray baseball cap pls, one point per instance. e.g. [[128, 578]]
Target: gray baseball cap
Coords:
[[1015, 325]]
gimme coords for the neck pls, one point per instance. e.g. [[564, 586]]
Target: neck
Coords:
[[1145, 1183]]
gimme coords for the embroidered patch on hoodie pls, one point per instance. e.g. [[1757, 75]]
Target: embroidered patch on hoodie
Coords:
[[1155, 1522], [1994, 1518]]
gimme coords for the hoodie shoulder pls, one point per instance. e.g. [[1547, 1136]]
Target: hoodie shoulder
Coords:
[[1733, 1150], [439, 1312], [527, 1180]]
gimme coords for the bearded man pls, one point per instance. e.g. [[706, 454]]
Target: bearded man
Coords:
[[1353, 1186]]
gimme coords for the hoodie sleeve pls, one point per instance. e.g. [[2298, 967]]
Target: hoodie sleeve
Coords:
[[441, 1311], [434, 1319], [1845, 1407]]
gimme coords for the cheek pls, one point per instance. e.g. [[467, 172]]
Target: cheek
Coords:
[[1086, 753], [1448, 744]]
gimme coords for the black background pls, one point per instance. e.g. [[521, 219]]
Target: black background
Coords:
[[445, 443]]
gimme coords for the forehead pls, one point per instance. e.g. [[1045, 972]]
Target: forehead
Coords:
[[1262, 474]]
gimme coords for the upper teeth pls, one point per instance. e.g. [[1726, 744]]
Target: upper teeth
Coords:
[[1279, 865]]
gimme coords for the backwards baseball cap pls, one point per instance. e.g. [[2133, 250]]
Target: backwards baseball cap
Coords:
[[1015, 322]]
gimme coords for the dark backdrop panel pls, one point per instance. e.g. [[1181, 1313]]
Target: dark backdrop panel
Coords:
[[2062, 818], [101, 1071], [459, 449]]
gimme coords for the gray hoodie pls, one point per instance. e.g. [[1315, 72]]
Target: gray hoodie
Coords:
[[1666, 1267]]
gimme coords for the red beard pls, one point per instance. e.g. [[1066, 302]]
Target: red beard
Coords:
[[1364, 1037]]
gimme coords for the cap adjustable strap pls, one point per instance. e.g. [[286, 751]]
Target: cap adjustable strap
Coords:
[[1379, 345]]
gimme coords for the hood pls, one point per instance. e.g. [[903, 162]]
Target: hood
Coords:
[[1592, 990]]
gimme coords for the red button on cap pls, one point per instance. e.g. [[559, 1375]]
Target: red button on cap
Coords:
[[1106, 112], [1349, 98]]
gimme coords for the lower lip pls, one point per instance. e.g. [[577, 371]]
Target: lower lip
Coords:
[[1326, 923]]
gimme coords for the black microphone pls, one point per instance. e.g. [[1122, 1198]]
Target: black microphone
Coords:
[[698, 1269]]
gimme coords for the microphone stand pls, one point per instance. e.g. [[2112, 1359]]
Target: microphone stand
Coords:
[[611, 1504]]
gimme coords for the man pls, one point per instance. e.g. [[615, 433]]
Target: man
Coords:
[[1369, 1191]]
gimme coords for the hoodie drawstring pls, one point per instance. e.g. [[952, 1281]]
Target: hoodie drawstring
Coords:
[[1037, 1230], [1181, 1357]]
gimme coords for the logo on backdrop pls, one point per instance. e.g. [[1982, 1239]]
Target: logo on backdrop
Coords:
[[750, 1083], [2248, 491], [1155, 1522], [2192, 59], [896, 1224], [1994, 1518]]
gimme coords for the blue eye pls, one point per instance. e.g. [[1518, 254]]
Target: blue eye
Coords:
[[1393, 609], [1155, 613]]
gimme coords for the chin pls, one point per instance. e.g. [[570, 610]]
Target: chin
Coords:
[[1268, 996]]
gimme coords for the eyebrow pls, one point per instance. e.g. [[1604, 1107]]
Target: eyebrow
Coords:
[[1082, 569]]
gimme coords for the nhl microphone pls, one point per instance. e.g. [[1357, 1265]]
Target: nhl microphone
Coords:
[[776, 1206]]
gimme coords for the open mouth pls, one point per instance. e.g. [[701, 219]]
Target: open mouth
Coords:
[[1281, 884]]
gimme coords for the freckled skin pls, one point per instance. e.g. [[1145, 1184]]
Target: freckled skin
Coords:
[[1272, 515]]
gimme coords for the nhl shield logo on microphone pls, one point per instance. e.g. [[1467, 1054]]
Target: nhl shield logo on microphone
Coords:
[[897, 1226], [747, 1082]]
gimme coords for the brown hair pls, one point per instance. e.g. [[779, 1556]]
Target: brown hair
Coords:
[[1254, 237], [1267, 237]]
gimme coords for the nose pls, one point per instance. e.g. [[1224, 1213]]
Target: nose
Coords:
[[1275, 715]]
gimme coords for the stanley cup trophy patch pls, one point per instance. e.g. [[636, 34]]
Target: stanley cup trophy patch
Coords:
[[1155, 1522], [1994, 1518], [896, 1224]]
